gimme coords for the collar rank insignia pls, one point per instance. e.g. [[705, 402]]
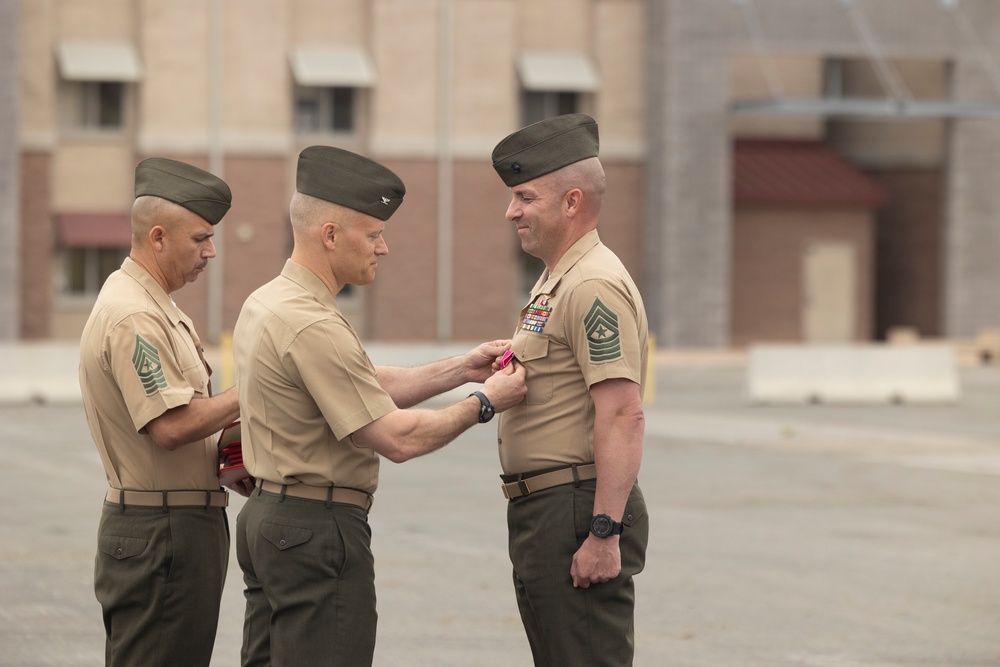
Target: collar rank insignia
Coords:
[[537, 316]]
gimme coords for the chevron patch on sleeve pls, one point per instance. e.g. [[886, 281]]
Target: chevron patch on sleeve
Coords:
[[601, 325], [146, 360]]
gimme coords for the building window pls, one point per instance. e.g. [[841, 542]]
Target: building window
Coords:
[[538, 105], [104, 105], [93, 91], [94, 105], [84, 270], [326, 110]]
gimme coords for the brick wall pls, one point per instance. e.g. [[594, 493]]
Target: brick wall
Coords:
[[767, 278], [37, 245]]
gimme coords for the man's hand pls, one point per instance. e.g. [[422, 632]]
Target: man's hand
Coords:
[[596, 562], [506, 388], [242, 486], [480, 363]]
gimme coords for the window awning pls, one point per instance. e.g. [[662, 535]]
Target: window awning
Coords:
[[557, 72], [94, 230], [98, 61], [800, 173], [325, 66]]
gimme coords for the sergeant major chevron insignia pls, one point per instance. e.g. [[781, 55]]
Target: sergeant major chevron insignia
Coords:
[[601, 325], [146, 360]]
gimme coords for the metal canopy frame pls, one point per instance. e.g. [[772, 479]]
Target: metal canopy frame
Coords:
[[899, 102], [864, 107]]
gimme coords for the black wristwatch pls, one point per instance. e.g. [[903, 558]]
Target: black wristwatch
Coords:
[[602, 526], [486, 410]]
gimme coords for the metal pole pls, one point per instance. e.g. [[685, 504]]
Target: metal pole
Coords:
[[445, 173], [10, 171], [216, 272]]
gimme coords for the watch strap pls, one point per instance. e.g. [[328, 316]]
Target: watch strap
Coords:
[[486, 410]]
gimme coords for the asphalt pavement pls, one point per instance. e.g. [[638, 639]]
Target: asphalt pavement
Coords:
[[815, 535]]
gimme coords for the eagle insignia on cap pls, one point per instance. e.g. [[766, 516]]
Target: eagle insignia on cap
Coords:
[[385, 200]]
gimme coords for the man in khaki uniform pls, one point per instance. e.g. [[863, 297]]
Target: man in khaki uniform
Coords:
[[163, 539], [570, 452], [317, 415]]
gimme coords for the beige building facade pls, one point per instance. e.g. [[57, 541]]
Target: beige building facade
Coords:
[[428, 87], [241, 87]]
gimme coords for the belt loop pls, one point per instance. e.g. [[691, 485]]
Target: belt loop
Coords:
[[329, 496], [576, 476], [165, 506], [282, 494], [522, 485], [121, 500], [208, 500]]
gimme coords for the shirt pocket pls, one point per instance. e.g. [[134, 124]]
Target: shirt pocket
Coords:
[[533, 352]]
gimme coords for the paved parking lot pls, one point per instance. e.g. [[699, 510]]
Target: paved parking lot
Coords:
[[857, 536]]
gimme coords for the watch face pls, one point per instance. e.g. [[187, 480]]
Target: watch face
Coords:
[[600, 525]]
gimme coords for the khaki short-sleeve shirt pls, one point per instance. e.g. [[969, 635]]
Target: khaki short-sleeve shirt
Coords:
[[306, 384], [139, 357], [583, 324]]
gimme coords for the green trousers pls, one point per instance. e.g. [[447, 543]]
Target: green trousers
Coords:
[[159, 575], [310, 582], [583, 627]]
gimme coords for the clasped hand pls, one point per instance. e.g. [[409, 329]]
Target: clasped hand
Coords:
[[598, 561]]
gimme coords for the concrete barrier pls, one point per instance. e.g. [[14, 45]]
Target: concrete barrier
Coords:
[[987, 347], [852, 374], [45, 372]]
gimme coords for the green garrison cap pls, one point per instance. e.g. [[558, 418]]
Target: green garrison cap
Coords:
[[348, 179], [545, 146], [191, 187]]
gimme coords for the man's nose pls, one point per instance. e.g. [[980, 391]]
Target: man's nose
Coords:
[[513, 210]]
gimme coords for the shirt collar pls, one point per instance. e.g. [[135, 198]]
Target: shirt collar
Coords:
[[310, 282], [575, 253], [139, 274]]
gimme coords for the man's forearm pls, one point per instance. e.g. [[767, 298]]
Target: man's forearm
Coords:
[[197, 420], [618, 456], [410, 386], [405, 434]]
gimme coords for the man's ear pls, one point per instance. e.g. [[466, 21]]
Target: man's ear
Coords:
[[573, 200], [156, 236], [328, 233]]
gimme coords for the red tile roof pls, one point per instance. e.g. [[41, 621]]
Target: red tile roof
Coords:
[[801, 173]]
